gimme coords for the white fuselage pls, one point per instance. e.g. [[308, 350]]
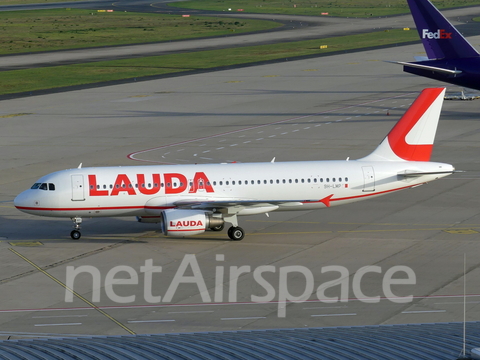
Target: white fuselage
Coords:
[[148, 190]]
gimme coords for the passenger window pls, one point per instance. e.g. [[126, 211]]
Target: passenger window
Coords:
[[303, 181], [226, 183], [105, 186], [321, 179], [264, 181], [51, 187], [271, 181], [221, 182], [327, 180], [214, 183], [233, 182], [339, 179], [43, 186], [290, 181], [296, 181], [315, 180], [346, 179], [259, 182], [308, 180]]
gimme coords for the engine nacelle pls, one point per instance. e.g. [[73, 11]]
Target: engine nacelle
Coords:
[[187, 222]]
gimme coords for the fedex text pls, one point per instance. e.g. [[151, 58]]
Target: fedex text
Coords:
[[439, 34]]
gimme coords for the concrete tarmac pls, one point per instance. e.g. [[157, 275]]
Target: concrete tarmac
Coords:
[[330, 108]]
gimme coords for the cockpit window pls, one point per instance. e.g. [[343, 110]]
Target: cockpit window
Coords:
[[36, 186], [51, 186], [43, 186]]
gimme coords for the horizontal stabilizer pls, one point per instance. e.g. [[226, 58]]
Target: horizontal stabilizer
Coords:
[[417, 173], [427, 67]]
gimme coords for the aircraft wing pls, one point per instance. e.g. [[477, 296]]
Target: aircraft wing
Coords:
[[219, 204], [427, 67]]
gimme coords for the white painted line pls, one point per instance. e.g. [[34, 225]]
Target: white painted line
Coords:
[[423, 311], [456, 303], [222, 140], [325, 307], [234, 145], [190, 312], [339, 120], [204, 158], [318, 125], [70, 324], [57, 316], [295, 130], [325, 315], [272, 136], [284, 133], [328, 123], [220, 148], [206, 151], [347, 118], [306, 128], [180, 150], [260, 139], [246, 142], [246, 318], [147, 321]]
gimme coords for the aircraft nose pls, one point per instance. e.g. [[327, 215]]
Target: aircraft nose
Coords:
[[22, 201]]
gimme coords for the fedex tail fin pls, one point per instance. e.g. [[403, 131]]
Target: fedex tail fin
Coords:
[[411, 139], [440, 38]]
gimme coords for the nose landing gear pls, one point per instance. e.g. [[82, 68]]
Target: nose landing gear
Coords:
[[75, 233]]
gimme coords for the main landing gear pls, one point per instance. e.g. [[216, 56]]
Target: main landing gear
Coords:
[[236, 233], [75, 233]]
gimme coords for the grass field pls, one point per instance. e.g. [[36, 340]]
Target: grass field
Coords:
[[45, 30], [24, 2], [344, 8], [60, 76]]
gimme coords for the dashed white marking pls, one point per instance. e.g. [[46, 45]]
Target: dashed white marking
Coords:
[[295, 130], [339, 120], [284, 133], [278, 128], [222, 140], [68, 324], [306, 128], [190, 312], [246, 142], [272, 136], [148, 321], [318, 125], [259, 139], [206, 151], [325, 315], [423, 311], [347, 118], [234, 145], [328, 123], [180, 150], [246, 318], [204, 158], [57, 316], [220, 148]]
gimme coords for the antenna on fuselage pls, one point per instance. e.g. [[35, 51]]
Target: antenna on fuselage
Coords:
[[273, 160], [80, 166]]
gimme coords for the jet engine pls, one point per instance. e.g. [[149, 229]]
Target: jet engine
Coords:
[[179, 223]]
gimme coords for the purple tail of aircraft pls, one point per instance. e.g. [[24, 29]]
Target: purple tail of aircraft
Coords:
[[451, 58]]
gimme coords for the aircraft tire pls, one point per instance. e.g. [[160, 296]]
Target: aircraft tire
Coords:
[[236, 233], [75, 234]]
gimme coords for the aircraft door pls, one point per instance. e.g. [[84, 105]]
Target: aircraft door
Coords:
[[78, 188], [368, 178]]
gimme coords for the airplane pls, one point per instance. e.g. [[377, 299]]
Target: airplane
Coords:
[[190, 199], [450, 57]]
